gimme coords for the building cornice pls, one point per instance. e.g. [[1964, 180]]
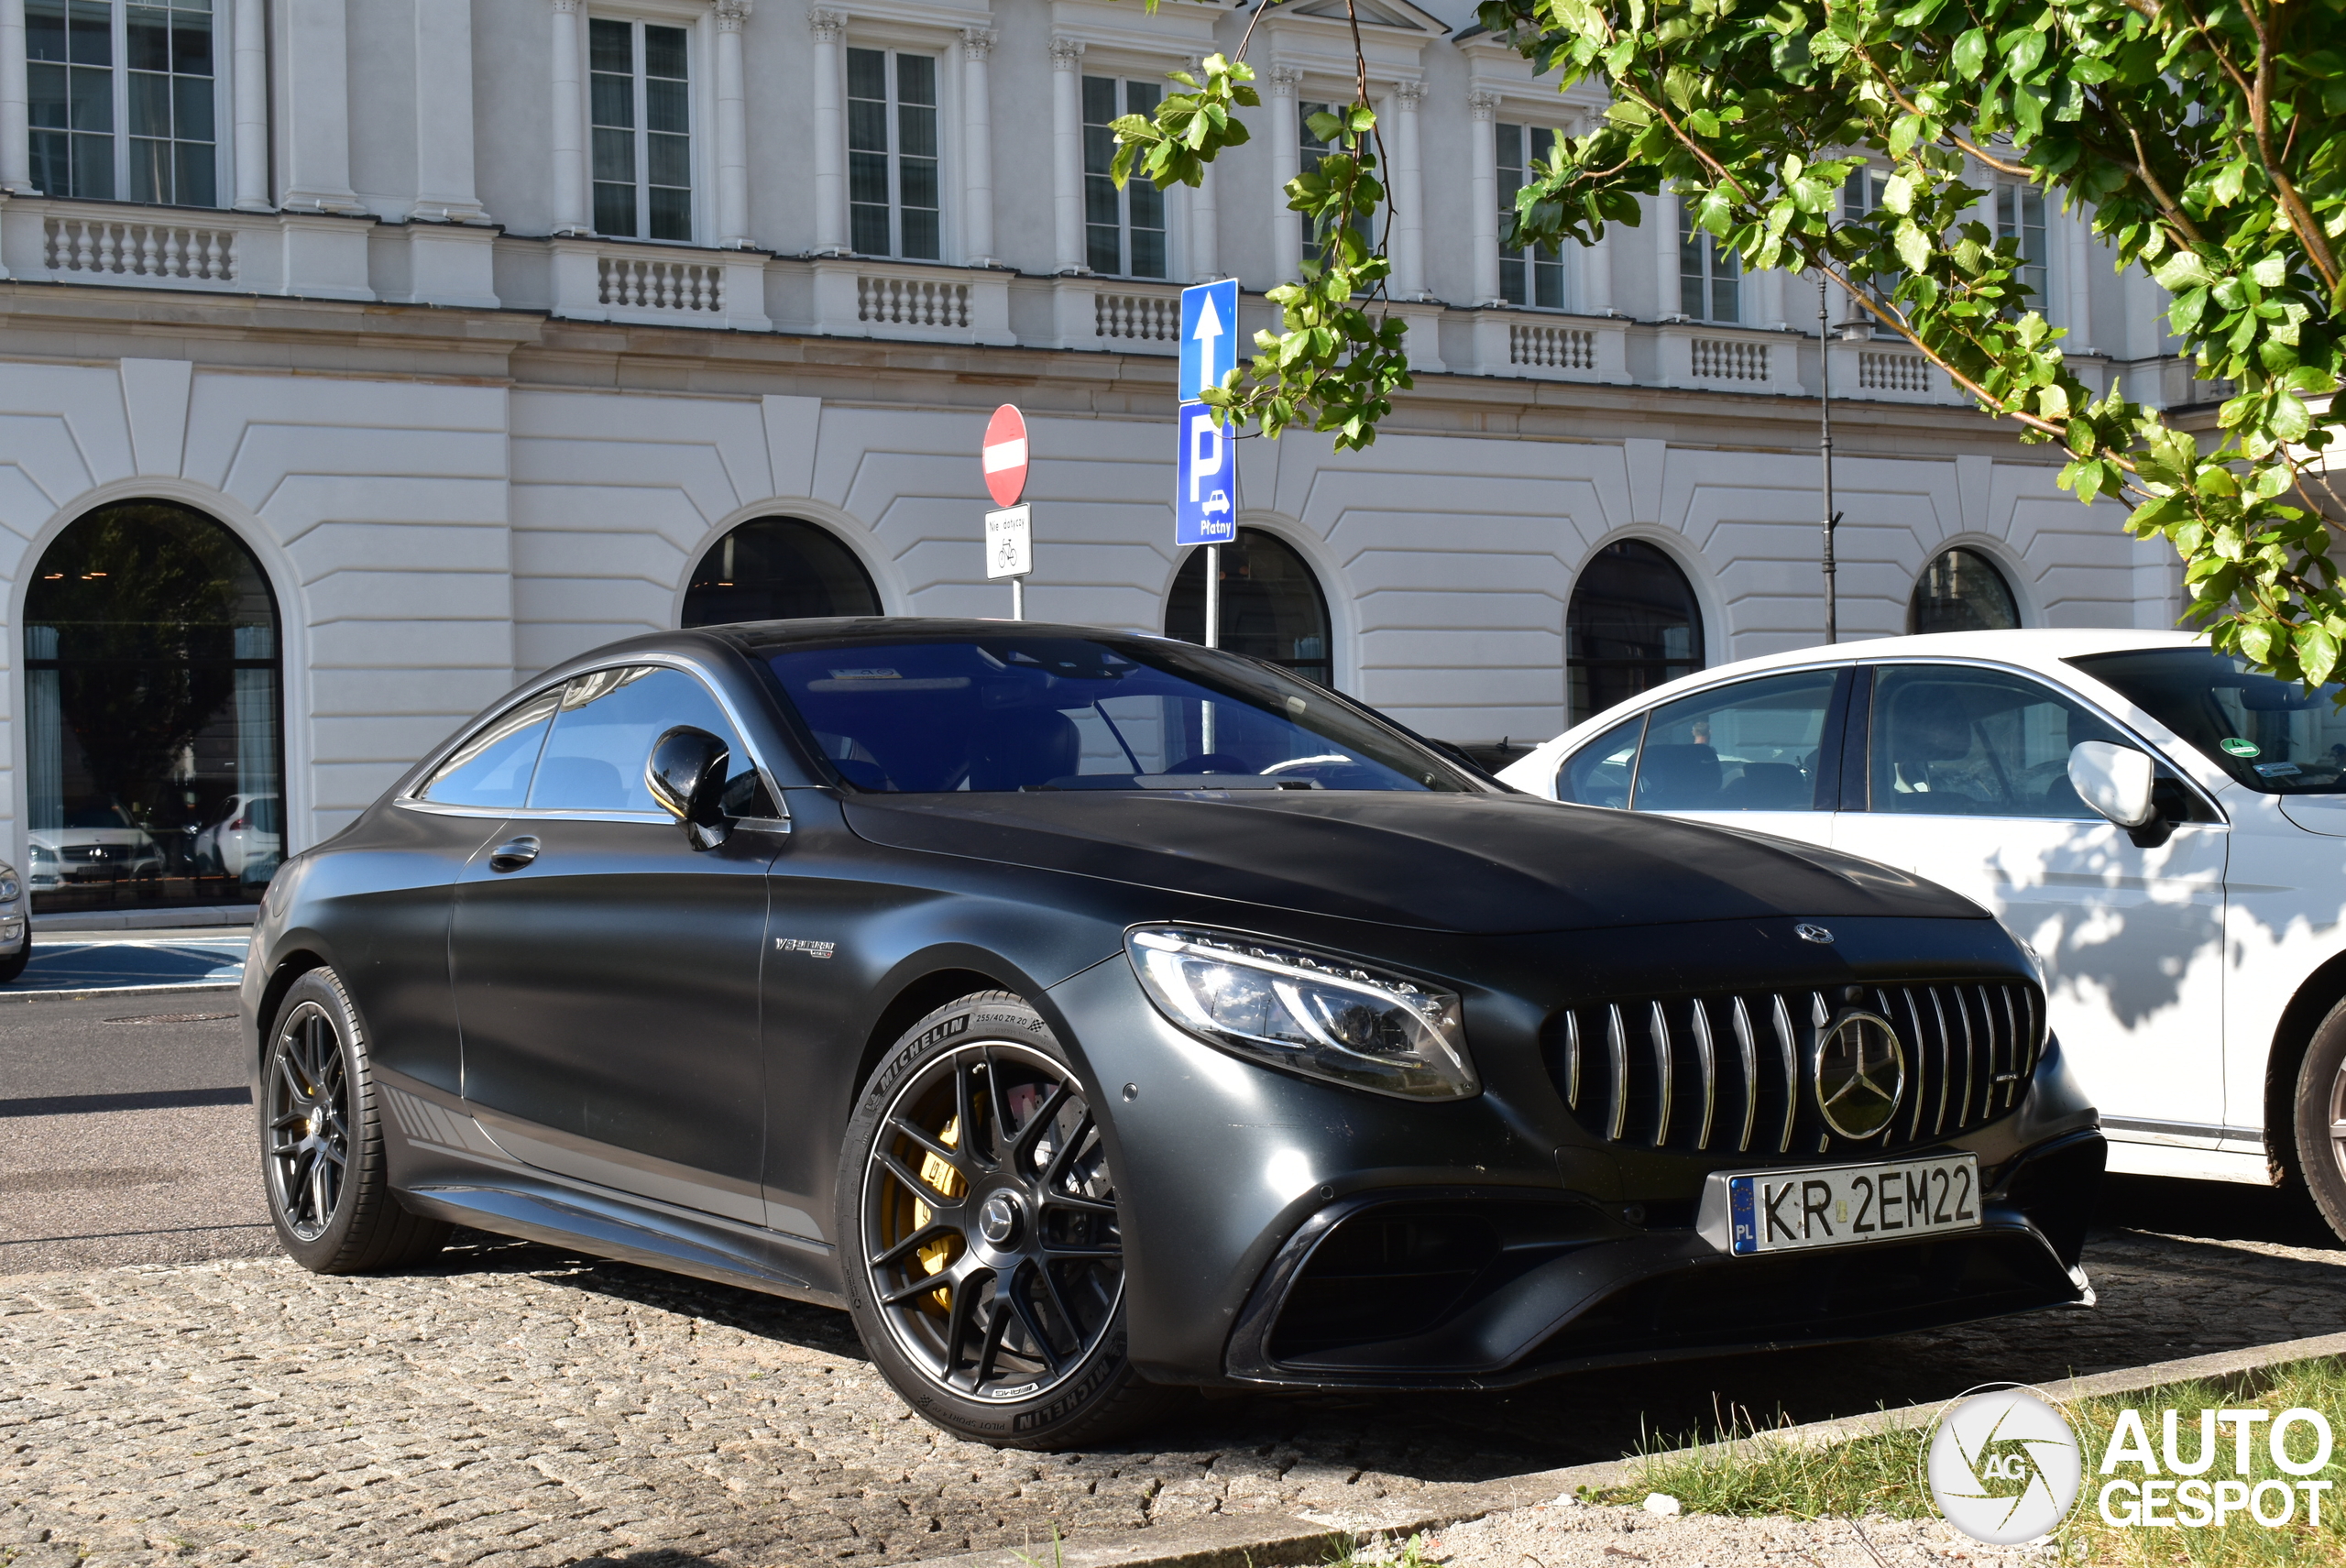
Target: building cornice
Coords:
[[528, 350]]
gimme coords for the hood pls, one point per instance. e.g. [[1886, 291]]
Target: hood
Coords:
[[1482, 864]]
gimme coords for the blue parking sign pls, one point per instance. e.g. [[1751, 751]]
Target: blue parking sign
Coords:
[[1208, 336], [1205, 496]]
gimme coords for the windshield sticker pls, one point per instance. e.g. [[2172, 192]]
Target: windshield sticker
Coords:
[[2240, 748], [2278, 770]]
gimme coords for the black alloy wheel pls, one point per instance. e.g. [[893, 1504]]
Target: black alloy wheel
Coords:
[[323, 1164], [308, 1127], [990, 1283], [2319, 1148], [999, 1264]]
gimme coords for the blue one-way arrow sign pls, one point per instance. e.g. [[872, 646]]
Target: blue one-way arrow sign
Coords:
[[1208, 336]]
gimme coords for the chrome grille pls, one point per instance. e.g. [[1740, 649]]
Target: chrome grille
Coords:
[[1733, 1073]]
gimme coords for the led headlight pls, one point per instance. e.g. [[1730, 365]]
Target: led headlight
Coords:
[[1318, 1013], [8, 890]]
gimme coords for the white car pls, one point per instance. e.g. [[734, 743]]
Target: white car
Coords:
[[247, 835], [2195, 964], [97, 844]]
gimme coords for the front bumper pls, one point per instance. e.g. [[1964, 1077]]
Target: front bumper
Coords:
[[1471, 1287], [1280, 1231]]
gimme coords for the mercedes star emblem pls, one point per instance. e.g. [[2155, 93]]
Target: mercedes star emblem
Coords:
[[1861, 1074]]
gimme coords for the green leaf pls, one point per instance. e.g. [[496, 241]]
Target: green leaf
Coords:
[[2182, 271], [2316, 651], [1970, 52], [1913, 245]]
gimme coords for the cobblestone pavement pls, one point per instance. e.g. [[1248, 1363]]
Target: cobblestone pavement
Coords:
[[514, 1405]]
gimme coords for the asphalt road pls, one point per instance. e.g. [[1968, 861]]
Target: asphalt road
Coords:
[[125, 1132]]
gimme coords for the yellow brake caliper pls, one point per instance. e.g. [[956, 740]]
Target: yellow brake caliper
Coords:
[[945, 1180]]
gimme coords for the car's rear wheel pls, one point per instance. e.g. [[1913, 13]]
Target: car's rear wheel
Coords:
[[981, 1248], [322, 1141]]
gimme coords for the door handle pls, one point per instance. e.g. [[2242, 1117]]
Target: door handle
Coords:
[[513, 854]]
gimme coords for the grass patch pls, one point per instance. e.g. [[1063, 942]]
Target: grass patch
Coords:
[[1766, 1474]]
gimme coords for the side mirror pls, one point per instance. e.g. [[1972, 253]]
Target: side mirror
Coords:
[[2115, 781], [687, 776]]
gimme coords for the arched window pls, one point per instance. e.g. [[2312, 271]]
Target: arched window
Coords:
[[1632, 625], [154, 745], [1271, 606], [1961, 590], [778, 568]]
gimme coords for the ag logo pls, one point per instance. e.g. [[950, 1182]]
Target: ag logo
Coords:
[[1861, 1074], [2003, 1465]]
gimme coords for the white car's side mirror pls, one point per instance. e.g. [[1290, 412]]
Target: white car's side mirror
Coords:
[[2113, 780]]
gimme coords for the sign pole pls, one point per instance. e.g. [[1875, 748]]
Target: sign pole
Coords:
[[1017, 598], [1213, 595]]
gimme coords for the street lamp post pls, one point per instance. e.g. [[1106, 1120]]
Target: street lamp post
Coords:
[[1825, 450]]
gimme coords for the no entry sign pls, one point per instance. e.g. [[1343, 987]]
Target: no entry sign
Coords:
[[1002, 455]]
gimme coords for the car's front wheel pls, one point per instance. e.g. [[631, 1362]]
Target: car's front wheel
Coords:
[[322, 1141], [980, 1239]]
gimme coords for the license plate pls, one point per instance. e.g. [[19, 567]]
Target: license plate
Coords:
[[1839, 1205]]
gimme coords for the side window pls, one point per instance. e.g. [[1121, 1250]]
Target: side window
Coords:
[[602, 737], [1950, 741], [1599, 773], [492, 767], [1752, 746]]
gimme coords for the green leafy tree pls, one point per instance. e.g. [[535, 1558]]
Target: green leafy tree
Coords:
[[2203, 136]]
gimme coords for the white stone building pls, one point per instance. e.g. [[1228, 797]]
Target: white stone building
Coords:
[[481, 324]]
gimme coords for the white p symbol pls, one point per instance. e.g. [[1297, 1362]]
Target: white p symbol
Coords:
[[1205, 450]]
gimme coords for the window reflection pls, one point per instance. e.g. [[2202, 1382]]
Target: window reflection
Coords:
[[153, 744], [1271, 606], [1632, 625], [778, 568]]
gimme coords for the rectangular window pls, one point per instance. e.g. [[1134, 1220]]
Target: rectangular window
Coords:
[[1123, 230], [2019, 217], [641, 117], [892, 154], [1710, 284], [1537, 278], [121, 100], [1313, 149]]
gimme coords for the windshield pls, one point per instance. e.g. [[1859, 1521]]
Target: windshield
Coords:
[[998, 714], [2272, 736]]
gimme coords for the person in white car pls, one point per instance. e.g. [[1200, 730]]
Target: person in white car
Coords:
[[2164, 826]]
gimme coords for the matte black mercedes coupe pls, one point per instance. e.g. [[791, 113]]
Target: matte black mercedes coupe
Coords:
[[1094, 1015]]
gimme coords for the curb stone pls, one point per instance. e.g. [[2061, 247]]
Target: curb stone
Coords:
[[88, 993], [1269, 1541]]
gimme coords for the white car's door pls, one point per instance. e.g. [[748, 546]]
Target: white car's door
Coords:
[[1966, 782], [1746, 754]]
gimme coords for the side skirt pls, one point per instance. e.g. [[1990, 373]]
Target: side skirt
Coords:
[[445, 1164]]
